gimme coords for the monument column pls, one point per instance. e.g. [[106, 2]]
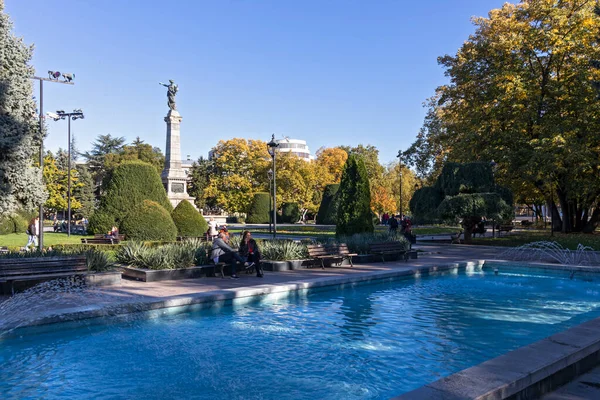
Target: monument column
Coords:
[[173, 176]]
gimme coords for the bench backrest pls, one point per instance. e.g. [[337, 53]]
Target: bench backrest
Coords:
[[37, 265], [387, 246], [316, 250]]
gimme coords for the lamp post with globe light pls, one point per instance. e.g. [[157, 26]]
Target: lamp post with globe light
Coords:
[[272, 147]]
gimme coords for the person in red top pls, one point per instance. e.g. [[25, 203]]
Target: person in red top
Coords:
[[251, 253]]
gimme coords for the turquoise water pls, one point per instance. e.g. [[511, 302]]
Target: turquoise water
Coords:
[[362, 342]]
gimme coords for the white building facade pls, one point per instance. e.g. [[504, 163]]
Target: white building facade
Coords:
[[296, 146]]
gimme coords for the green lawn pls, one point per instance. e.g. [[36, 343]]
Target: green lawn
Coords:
[[569, 241], [50, 239]]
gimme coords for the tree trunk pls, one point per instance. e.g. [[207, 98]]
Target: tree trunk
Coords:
[[592, 224]]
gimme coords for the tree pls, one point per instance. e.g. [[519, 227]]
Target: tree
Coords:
[[138, 150], [57, 184], [188, 221], [465, 193], [259, 211], [104, 145], [240, 171], [20, 180], [332, 160], [290, 213], [354, 213], [328, 209], [127, 186], [200, 174], [84, 191], [522, 92]]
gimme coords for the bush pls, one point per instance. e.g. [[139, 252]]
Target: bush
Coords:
[[127, 186], [290, 213], [235, 220], [259, 209], [100, 223], [12, 224], [20, 223], [149, 222], [170, 256], [282, 250], [328, 209], [188, 221], [354, 213]]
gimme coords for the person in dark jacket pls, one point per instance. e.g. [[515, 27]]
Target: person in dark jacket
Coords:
[[251, 253], [221, 251]]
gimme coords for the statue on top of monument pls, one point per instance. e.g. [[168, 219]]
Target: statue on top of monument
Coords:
[[171, 92]]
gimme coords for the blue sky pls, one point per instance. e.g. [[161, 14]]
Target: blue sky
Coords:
[[331, 72]]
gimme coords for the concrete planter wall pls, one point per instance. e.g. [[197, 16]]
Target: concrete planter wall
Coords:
[[269, 265], [103, 278], [149, 275]]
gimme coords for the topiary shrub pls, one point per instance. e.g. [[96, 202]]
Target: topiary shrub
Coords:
[[188, 221], [100, 223], [290, 213], [354, 213], [259, 209], [328, 208], [128, 185], [149, 222]]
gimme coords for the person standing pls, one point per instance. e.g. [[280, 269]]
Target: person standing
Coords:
[[251, 253], [33, 230], [393, 222], [212, 228], [221, 251]]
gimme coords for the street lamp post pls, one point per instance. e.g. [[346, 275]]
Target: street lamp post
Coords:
[[270, 175], [76, 114], [400, 169], [52, 77], [272, 146], [493, 164]]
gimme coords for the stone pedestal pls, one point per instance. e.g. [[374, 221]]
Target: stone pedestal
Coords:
[[173, 176]]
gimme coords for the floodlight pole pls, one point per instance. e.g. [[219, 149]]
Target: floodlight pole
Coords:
[[41, 211], [76, 114]]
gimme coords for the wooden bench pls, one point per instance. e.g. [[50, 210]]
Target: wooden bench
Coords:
[[38, 269], [505, 228], [455, 237], [388, 248], [333, 253], [201, 238], [100, 241], [219, 268]]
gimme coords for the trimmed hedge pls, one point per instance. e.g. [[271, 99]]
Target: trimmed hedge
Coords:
[[290, 213], [328, 209], [149, 222], [128, 185], [188, 221], [258, 212], [100, 222]]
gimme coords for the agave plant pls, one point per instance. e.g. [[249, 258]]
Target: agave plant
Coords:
[[97, 261], [283, 250]]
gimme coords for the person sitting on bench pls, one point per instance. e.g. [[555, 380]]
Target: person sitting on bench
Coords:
[[250, 251], [221, 251]]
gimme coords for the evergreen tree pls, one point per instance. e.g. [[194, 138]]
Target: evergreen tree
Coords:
[[354, 213], [259, 210], [104, 145], [200, 174], [20, 181], [328, 209], [84, 192]]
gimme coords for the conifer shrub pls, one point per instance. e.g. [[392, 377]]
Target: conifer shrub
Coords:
[[328, 209], [128, 185], [354, 213], [290, 213], [100, 222], [188, 221], [258, 213], [149, 222], [7, 225]]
